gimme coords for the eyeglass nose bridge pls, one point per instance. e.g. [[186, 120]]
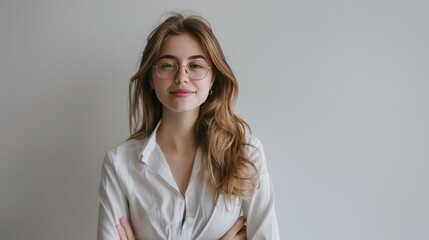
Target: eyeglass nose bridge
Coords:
[[184, 66], [177, 77]]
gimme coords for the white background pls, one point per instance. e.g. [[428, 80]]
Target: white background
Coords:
[[336, 90]]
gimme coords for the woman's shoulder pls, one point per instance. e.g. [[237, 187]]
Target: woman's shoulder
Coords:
[[252, 139], [252, 143], [254, 149], [255, 153], [127, 149]]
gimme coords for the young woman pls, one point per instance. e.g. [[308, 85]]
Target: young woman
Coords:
[[190, 168]]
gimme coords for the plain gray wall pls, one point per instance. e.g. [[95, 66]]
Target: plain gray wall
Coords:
[[336, 90]]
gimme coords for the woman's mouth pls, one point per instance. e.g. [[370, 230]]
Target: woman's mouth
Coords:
[[182, 92]]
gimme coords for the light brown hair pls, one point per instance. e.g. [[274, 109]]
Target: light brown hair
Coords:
[[219, 132]]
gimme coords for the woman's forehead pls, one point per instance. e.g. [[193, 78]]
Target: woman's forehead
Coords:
[[182, 47]]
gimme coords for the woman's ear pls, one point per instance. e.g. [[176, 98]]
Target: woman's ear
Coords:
[[211, 83], [213, 78]]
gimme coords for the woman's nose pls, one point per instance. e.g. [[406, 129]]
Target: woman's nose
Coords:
[[182, 74]]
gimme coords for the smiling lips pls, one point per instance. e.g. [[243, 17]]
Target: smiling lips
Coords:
[[182, 92]]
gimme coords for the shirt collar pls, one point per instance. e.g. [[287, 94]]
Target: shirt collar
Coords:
[[149, 146], [154, 163]]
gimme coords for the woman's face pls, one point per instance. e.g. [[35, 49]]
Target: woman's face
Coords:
[[186, 89]]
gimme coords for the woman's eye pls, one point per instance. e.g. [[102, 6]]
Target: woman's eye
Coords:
[[167, 66], [195, 66]]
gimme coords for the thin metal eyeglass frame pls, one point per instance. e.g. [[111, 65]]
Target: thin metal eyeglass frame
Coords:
[[186, 68]]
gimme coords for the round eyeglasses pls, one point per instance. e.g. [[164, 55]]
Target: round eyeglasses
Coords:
[[195, 70]]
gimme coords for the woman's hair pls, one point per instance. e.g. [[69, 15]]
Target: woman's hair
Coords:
[[218, 131]]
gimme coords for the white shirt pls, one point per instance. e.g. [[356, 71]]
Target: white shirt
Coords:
[[136, 183]]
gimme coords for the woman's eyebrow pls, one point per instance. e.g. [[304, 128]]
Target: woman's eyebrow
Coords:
[[197, 56], [175, 58], [167, 57]]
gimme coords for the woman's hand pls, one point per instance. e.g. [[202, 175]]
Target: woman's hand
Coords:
[[237, 232], [124, 230]]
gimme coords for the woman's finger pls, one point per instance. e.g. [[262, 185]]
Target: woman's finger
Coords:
[[121, 232], [238, 225], [241, 235], [126, 226]]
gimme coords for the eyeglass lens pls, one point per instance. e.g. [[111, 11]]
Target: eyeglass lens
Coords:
[[195, 69]]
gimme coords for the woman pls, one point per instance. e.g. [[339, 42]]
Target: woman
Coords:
[[190, 168]]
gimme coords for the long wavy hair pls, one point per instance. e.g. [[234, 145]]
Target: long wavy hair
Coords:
[[219, 132]]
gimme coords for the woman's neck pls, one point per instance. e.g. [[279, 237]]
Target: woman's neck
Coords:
[[177, 131]]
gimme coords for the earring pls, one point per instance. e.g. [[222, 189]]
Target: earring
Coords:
[[210, 92], [152, 91]]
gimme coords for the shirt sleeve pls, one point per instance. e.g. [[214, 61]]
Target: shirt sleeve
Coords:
[[113, 201], [259, 210]]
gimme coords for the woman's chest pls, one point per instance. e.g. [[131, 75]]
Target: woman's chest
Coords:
[[158, 210]]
